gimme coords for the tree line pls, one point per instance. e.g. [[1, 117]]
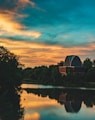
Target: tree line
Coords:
[[43, 75], [51, 75], [12, 74]]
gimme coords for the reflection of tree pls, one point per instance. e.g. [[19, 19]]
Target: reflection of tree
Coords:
[[10, 106], [90, 99], [71, 99]]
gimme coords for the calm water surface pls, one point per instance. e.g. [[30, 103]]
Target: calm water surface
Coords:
[[57, 103]]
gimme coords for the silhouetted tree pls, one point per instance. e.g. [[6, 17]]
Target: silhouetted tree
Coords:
[[10, 69], [90, 75], [61, 63], [93, 63], [10, 80], [87, 63]]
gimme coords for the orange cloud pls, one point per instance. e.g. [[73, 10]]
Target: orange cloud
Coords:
[[9, 27], [36, 54]]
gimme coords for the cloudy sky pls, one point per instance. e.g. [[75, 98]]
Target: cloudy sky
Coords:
[[43, 32]]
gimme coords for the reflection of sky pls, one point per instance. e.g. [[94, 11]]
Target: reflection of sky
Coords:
[[38, 108], [50, 86], [36, 86], [64, 26]]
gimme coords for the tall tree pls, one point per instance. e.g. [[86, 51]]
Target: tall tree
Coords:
[[94, 63], [9, 68], [87, 63]]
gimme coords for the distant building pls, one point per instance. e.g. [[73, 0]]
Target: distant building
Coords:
[[72, 64], [73, 60]]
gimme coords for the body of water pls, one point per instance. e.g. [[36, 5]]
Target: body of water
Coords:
[[38, 102], [57, 103]]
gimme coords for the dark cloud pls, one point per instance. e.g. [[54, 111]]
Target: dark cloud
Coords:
[[15, 4], [9, 4]]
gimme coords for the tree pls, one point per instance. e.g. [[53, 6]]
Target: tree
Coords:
[[87, 63], [9, 68], [61, 63], [90, 75], [93, 63]]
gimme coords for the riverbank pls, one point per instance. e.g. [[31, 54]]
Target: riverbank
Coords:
[[65, 84]]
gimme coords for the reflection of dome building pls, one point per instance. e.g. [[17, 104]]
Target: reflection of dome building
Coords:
[[73, 107], [72, 64]]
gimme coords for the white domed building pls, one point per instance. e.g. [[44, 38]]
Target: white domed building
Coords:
[[72, 64]]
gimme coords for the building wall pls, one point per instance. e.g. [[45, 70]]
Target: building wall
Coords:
[[64, 70], [72, 64]]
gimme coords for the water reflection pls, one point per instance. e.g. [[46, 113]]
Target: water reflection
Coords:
[[57, 103], [47, 104], [10, 105], [71, 99]]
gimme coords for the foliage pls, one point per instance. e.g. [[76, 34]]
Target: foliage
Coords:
[[50, 75], [90, 75], [93, 63], [87, 63], [43, 74], [10, 80], [61, 63], [10, 69]]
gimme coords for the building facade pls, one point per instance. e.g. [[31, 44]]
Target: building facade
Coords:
[[72, 64]]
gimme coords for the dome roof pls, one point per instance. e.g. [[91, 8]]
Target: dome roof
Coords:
[[72, 60]]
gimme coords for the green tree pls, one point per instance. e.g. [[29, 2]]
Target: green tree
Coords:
[[94, 63], [61, 63], [90, 76], [9, 69], [87, 63], [55, 76]]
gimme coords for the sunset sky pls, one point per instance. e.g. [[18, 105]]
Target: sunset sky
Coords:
[[43, 32]]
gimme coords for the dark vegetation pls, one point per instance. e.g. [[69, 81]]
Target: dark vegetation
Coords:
[[12, 75], [10, 81], [43, 75], [10, 69], [10, 108], [50, 75]]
